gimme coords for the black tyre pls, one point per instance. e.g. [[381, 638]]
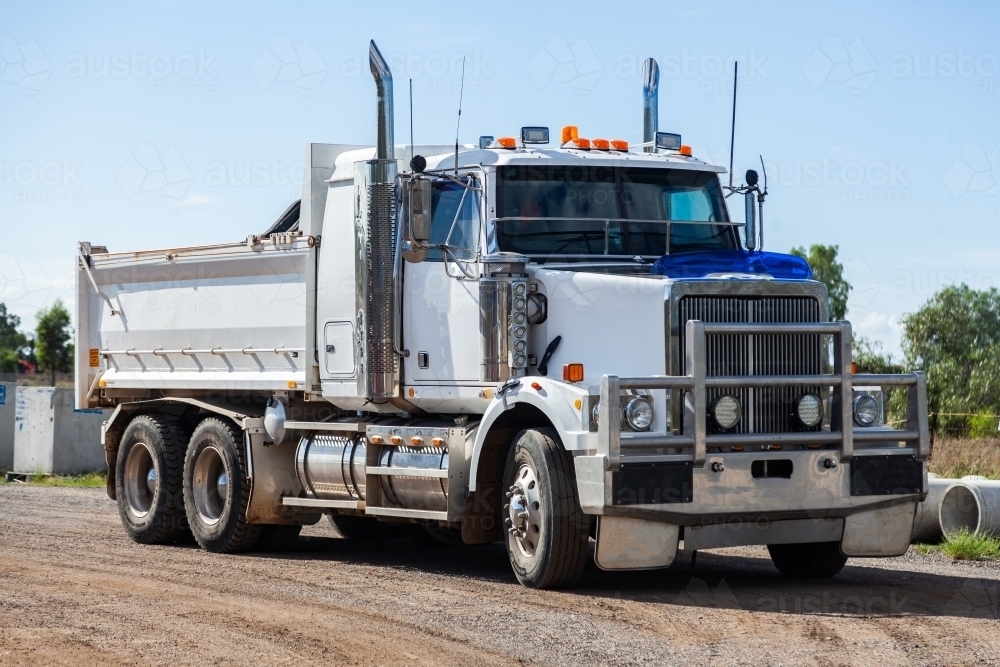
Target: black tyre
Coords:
[[277, 538], [817, 560], [548, 545], [148, 474], [216, 493], [359, 527]]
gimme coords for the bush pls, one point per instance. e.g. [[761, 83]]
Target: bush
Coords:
[[984, 425], [964, 545]]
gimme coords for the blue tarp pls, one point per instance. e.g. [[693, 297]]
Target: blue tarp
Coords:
[[702, 263]]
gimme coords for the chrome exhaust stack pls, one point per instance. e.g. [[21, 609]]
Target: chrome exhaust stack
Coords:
[[650, 103], [375, 246]]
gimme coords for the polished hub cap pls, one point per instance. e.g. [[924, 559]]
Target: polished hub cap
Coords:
[[524, 515], [140, 479], [210, 485]]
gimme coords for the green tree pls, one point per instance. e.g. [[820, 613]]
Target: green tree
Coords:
[[822, 259], [53, 335], [955, 338], [12, 341]]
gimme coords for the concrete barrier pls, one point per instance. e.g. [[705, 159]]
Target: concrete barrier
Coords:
[[52, 437], [7, 390]]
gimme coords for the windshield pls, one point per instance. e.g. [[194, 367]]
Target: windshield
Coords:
[[611, 211]]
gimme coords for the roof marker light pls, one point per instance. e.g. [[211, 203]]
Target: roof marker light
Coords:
[[534, 135], [601, 144], [582, 144], [569, 132], [686, 150], [668, 141], [507, 142], [619, 144]]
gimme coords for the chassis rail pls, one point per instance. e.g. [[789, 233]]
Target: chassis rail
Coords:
[[695, 438]]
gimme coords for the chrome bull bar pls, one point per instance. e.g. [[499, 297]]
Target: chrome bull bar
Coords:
[[695, 438]]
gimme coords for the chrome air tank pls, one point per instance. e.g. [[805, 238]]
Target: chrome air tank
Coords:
[[332, 467]]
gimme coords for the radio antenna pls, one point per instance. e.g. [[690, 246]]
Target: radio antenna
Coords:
[[411, 121], [461, 93], [732, 132]]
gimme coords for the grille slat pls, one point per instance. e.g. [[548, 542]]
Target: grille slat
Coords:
[[765, 410]]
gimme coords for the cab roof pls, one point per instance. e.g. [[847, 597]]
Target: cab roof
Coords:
[[440, 157]]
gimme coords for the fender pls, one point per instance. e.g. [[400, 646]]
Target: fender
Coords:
[[556, 400]]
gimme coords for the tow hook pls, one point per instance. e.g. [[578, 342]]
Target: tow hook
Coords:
[[718, 466], [829, 464]]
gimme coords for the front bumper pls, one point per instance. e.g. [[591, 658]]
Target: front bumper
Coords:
[[695, 478]]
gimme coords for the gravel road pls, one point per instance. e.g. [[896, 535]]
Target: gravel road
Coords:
[[77, 591]]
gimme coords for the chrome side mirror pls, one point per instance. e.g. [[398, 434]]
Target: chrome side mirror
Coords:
[[416, 218], [751, 227]]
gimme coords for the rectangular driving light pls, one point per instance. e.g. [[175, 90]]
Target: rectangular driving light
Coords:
[[668, 141], [534, 135]]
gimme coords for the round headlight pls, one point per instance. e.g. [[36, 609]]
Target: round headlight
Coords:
[[639, 413], [809, 410], [726, 412], [866, 410]]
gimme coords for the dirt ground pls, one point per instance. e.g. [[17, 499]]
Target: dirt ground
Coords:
[[77, 591]]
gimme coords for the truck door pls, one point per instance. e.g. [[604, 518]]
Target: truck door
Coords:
[[441, 294]]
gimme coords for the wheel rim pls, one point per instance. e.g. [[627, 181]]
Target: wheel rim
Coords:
[[141, 479], [524, 511], [210, 485]]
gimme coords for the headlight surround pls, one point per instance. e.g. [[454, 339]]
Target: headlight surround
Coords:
[[639, 413], [726, 411], [809, 410], [866, 410]]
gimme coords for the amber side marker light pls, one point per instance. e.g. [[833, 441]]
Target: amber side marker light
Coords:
[[396, 440], [573, 373]]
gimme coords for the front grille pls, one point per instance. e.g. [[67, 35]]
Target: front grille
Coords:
[[766, 410]]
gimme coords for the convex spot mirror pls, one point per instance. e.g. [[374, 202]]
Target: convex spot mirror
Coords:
[[416, 221]]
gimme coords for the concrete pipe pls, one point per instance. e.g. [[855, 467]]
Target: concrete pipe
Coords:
[[973, 505], [927, 520]]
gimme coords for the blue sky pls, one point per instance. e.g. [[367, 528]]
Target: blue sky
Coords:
[[157, 124]]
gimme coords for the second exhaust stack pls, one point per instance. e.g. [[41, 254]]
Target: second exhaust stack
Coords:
[[650, 103]]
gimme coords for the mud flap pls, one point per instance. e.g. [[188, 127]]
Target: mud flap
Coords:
[[880, 532], [272, 471], [625, 543]]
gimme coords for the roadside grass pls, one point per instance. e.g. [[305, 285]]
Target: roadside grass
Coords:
[[964, 545], [88, 480], [958, 457]]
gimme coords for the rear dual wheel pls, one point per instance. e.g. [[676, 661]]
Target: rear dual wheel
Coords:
[[148, 480], [216, 489]]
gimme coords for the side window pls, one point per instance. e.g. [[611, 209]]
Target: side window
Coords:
[[454, 219]]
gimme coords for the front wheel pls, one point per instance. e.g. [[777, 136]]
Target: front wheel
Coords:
[[216, 492], [546, 529], [816, 560]]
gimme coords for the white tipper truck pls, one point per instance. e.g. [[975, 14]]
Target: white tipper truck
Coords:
[[568, 349]]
